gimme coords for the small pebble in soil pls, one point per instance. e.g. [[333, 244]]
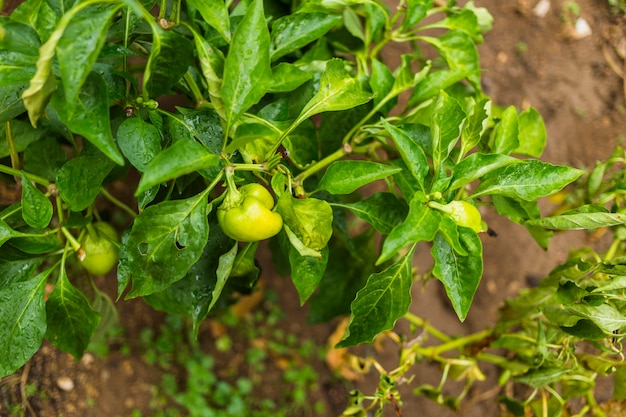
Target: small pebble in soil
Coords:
[[65, 383], [87, 359]]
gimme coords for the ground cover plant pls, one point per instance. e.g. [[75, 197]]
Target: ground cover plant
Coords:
[[292, 129]]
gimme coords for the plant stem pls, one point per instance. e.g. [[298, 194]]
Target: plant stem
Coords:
[[420, 322], [73, 242], [458, 343], [15, 159], [193, 86], [319, 165], [117, 202], [17, 173]]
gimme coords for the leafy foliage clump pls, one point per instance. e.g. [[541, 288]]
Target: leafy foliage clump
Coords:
[[295, 97]]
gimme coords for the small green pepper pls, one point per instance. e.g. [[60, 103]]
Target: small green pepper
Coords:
[[246, 214], [100, 249], [463, 213]]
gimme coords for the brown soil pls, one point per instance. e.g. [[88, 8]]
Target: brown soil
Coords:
[[528, 60]]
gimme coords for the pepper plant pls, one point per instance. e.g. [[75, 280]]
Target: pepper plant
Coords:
[[290, 125]]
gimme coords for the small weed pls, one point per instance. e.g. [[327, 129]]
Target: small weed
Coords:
[[209, 390], [617, 6], [570, 12]]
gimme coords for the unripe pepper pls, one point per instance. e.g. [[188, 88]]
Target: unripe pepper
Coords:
[[246, 214], [99, 248], [463, 213]]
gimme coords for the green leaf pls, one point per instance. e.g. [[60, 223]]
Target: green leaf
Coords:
[[460, 53], [381, 82], [23, 135], [585, 329], [6, 233], [476, 125], [385, 298], [204, 125], [247, 72], [71, 320], [165, 241], [215, 13], [212, 65], [36, 208], [19, 49], [538, 378], [36, 241], [170, 57], [91, 117], [287, 77], [383, 211], [528, 180], [352, 23], [433, 83], [415, 11], [37, 14], [45, 158], [307, 272], [580, 219], [42, 84], [338, 91], [450, 231], [22, 322], [459, 274], [11, 103], [309, 219], [78, 48], [606, 317], [465, 20], [411, 152], [476, 166], [445, 130], [245, 265], [199, 290], [79, 180], [18, 270], [421, 224], [183, 157], [139, 141], [506, 132], [345, 177], [532, 133], [292, 32]]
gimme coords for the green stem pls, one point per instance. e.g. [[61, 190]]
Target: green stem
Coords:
[[233, 196], [117, 202], [455, 344], [591, 400], [72, 240], [59, 204], [369, 115], [250, 167], [319, 165], [15, 158], [175, 14], [125, 58], [420, 322], [610, 253], [17, 173], [163, 9], [193, 86]]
